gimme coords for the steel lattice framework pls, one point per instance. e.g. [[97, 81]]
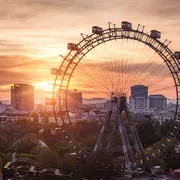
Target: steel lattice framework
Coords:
[[89, 42]]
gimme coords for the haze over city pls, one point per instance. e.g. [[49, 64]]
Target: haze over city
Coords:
[[89, 89], [34, 33]]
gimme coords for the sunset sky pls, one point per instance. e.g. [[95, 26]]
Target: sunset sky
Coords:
[[33, 33]]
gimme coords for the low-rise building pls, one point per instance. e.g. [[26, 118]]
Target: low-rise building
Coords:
[[157, 101], [163, 115]]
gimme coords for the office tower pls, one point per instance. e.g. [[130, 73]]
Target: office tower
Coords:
[[157, 101], [22, 96], [74, 100], [139, 97]]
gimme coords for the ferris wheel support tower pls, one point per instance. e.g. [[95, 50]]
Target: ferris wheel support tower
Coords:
[[118, 106]]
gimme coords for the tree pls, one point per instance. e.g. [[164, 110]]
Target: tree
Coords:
[[3, 143], [173, 161], [68, 164], [4, 158], [27, 156], [97, 166], [89, 141], [148, 132], [61, 149], [171, 158], [84, 129], [165, 127], [26, 144], [47, 158]]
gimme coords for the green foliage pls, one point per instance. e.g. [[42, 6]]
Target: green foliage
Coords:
[[61, 149], [161, 162], [4, 158], [26, 144], [19, 128], [86, 129], [3, 144], [172, 159], [27, 156], [36, 118], [47, 158], [46, 118], [89, 141], [98, 166], [85, 132], [165, 127], [148, 132], [68, 164]]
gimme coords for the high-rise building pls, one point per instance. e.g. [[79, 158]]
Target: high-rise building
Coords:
[[157, 101], [139, 97], [22, 96], [74, 100]]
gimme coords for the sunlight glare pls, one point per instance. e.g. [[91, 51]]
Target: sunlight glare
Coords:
[[44, 85]]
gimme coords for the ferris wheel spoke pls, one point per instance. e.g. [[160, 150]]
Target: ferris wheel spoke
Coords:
[[151, 72], [98, 86], [98, 72], [139, 69], [164, 88], [133, 68], [141, 65], [165, 77], [107, 68], [149, 81]]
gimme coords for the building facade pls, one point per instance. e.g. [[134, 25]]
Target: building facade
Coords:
[[139, 97], [3, 107], [22, 96], [163, 115], [74, 100], [157, 101]]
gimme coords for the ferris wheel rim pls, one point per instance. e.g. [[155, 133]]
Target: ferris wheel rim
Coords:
[[111, 34]]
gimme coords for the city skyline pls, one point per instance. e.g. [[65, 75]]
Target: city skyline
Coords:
[[90, 100], [31, 39], [89, 89]]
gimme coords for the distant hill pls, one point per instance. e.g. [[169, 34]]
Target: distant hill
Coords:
[[94, 100]]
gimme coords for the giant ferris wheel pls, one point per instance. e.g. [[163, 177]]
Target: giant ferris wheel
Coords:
[[105, 65]]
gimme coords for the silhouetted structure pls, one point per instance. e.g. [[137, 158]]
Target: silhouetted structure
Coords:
[[22, 96], [157, 101], [139, 97], [74, 100]]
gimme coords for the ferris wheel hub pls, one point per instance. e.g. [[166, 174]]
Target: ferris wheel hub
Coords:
[[121, 99]]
